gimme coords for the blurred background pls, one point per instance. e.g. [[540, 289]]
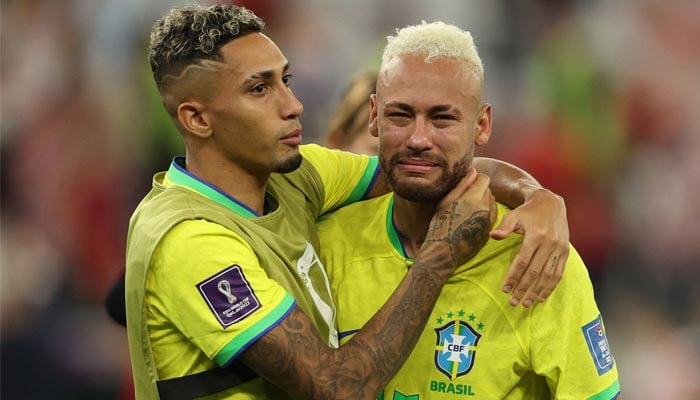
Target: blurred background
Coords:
[[599, 100]]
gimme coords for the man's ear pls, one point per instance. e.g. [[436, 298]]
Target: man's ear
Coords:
[[482, 127], [373, 128], [193, 118]]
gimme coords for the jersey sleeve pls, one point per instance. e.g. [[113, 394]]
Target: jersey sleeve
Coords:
[[569, 346], [207, 283], [346, 177]]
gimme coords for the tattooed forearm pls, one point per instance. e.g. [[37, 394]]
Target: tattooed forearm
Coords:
[[293, 357]]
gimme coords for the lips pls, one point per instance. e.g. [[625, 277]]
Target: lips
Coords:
[[418, 162], [417, 165], [293, 138]]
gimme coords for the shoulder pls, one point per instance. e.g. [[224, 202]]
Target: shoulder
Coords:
[[197, 232], [319, 155], [356, 214], [198, 242]]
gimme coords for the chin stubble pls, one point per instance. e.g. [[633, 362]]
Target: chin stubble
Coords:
[[290, 164]]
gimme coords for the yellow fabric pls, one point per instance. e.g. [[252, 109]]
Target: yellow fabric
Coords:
[[178, 318], [330, 164], [499, 351], [187, 238]]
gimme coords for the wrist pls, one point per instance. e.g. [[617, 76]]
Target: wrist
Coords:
[[436, 256]]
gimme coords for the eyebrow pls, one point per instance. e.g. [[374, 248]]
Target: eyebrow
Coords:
[[434, 109], [267, 74]]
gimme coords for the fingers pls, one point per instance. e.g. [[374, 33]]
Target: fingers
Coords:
[[544, 267], [508, 225], [529, 263], [517, 268], [552, 272], [470, 177], [533, 278], [464, 218], [462, 186], [552, 279], [549, 277], [539, 264]]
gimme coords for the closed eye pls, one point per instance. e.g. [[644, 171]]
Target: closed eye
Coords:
[[398, 114], [445, 117]]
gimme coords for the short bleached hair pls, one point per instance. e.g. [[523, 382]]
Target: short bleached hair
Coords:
[[435, 39]]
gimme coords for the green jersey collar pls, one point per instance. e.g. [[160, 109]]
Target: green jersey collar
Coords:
[[178, 175], [392, 232]]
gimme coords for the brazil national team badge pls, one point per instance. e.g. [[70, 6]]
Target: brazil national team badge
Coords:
[[598, 345], [229, 296], [455, 349]]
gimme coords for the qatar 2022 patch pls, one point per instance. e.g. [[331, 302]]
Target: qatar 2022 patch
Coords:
[[229, 295]]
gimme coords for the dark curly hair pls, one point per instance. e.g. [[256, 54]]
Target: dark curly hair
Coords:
[[194, 32]]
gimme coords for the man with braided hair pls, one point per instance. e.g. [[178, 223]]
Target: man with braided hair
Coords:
[[225, 294]]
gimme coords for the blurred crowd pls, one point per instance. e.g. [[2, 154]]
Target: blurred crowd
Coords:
[[599, 100]]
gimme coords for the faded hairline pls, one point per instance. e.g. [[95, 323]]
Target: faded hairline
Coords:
[[194, 79]]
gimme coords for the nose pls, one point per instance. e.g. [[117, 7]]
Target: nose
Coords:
[[421, 136], [291, 106]]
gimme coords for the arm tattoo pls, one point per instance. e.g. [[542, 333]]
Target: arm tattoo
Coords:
[[293, 357], [464, 241]]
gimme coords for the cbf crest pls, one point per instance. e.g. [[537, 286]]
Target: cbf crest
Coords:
[[455, 349]]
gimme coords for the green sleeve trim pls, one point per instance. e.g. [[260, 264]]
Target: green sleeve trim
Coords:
[[241, 342], [608, 394], [363, 187]]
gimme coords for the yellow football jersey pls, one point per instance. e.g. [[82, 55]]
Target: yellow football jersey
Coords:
[[207, 276], [475, 345]]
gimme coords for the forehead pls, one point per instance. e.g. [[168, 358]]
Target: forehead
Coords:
[[252, 54], [408, 78]]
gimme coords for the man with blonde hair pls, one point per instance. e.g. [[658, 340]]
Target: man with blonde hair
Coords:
[[225, 294], [429, 115]]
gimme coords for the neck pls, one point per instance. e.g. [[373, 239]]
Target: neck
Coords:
[[412, 220], [231, 178]]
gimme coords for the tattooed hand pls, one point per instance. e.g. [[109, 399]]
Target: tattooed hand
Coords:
[[462, 221]]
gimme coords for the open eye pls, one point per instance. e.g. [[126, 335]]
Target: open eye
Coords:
[[287, 78], [259, 88]]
